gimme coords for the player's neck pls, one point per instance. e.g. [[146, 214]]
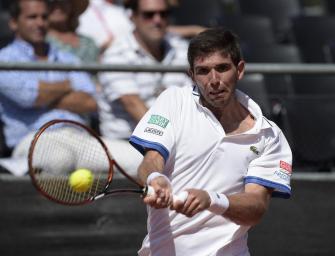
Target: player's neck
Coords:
[[234, 118]]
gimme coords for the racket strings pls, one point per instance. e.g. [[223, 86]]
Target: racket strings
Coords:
[[58, 152]]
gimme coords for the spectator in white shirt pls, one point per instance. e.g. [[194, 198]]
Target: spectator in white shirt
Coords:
[[127, 96]]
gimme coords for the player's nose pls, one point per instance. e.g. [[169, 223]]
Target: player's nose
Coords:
[[214, 78]]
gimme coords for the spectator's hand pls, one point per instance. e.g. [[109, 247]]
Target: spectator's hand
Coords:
[[163, 193], [197, 201]]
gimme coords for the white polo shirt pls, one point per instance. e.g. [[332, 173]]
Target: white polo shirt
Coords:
[[115, 122], [200, 155]]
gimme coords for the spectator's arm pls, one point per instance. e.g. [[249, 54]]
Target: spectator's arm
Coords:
[[81, 99], [134, 106], [77, 102], [61, 95], [49, 93]]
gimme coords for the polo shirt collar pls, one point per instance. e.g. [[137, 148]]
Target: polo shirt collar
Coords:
[[248, 103], [169, 51], [28, 50], [254, 110]]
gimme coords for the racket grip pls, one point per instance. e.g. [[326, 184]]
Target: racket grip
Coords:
[[150, 191], [182, 196]]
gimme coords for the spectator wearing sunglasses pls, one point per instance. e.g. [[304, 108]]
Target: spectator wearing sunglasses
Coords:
[[185, 31], [127, 96]]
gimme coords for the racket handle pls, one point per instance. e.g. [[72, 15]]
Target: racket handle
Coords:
[[182, 196]]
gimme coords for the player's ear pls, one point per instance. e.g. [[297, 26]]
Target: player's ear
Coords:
[[240, 69], [190, 73], [132, 15]]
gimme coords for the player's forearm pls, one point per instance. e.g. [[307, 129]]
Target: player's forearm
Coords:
[[49, 93], [77, 102], [152, 162], [134, 106], [247, 208]]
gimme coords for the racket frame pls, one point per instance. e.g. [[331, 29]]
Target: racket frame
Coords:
[[142, 190]]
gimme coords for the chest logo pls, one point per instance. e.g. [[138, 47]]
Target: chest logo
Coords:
[[254, 149], [158, 120]]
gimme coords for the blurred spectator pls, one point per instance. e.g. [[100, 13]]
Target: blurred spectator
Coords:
[[63, 21], [185, 31], [29, 99], [104, 21], [127, 96]]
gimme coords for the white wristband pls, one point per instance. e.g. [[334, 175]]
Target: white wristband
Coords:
[[154, 175], [219, 203]]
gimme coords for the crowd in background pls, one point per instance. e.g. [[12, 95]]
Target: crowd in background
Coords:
[[80, 31], [148, 32]]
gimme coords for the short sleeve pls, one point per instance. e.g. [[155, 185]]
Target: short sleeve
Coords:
[[273, 169], [156, 130]]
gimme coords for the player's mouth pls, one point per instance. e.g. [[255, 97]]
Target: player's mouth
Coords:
[[217, 93]]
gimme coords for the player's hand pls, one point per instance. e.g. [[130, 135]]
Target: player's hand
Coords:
[[163, 193], [197, 201]]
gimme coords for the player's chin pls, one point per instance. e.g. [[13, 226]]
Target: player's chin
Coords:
[[218, 101]]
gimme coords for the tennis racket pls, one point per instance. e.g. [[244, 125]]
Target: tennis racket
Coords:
[[62, 146]]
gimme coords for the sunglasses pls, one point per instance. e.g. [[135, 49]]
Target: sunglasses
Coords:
[[148, 15]]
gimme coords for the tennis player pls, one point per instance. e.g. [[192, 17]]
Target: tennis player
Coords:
[[213, 142]]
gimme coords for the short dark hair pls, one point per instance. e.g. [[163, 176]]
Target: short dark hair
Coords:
[[15, 7], [213, 40], [133, 4]]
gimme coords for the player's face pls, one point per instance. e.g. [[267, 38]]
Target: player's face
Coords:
[[151, 20], [216, 77], [31, 25]]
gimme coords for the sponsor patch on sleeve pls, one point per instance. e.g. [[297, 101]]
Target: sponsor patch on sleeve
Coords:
[[285, 166], [154, 131], [283, 175], [158, 120]]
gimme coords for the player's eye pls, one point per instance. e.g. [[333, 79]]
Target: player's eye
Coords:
[[222, 68], [202, 71]]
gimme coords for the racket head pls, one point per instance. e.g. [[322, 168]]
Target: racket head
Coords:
[[58, 149]]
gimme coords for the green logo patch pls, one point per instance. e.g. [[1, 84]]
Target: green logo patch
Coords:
[[254, 149], [158, 120]]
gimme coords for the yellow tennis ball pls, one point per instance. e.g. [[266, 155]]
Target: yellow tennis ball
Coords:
[[81, 180]]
